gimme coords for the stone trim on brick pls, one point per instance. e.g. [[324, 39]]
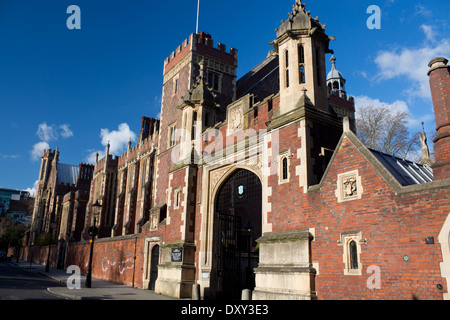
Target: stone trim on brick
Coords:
[[444, 241]]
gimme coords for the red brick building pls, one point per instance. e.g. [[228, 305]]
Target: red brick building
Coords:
[[261, 183]]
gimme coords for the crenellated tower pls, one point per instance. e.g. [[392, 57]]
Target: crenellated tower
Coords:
[[188, 104]]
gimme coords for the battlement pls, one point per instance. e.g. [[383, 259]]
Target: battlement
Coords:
[[202, 43], [48, 153], [85, 171], [149, 127], [340, 98]]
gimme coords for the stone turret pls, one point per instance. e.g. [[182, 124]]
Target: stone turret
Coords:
[[301, 44]]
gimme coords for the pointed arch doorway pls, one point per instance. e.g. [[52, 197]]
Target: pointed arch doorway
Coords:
[[238, 212]]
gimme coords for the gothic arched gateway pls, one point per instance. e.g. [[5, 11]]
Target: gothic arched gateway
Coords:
[[238, 211]]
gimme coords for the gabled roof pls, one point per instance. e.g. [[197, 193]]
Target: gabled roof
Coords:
[[401, 175]]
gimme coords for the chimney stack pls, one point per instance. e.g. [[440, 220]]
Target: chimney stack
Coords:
[[439, 74]]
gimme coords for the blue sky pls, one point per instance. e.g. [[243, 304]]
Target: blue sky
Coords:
[[77, 89]]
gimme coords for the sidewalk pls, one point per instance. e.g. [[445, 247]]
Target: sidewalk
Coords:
[[100, 289]]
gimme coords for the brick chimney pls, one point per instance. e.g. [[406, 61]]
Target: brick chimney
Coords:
[[439, 74]]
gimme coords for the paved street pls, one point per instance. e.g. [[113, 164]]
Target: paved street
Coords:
[[20, 281], [24, 284]]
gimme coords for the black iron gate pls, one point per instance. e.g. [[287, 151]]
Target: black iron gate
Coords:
[[229, 268], [238, 208]]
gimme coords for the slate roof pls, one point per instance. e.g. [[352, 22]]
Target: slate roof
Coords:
[[67, 173], [406, 172]]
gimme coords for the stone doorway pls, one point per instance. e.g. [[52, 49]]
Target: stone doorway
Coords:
[[154, 267], [151, 261], [238, 216]]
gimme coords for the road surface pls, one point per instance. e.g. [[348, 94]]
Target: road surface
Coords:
[[18, 283]]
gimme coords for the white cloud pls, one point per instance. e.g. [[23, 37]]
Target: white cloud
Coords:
[[46, 133], [32, 190], [421, 10], [118, 140], [364, 101], [36, 152], [430, 34], [412, 63], [93, 155], [10, 156], [414, 121], [65, 131], [51, 132]]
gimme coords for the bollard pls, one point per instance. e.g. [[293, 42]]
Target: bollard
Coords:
[[195, 291], [246, 294]]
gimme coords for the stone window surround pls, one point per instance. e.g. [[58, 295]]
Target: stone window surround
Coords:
[[219, 80], [176, 193], [169, 131], [282, 155], [346, 238], [175, 84]]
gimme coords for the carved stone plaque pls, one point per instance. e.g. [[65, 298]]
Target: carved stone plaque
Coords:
[[349, 186]]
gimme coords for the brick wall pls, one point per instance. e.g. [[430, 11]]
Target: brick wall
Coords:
[[394, 226], [113, 259]]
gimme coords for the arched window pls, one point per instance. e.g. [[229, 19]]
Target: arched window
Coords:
[[285, 168], [172, 138], [286, 67], [351, 241], [353, 251], [286, 59], [301, 54], [301, 61], [287, 78], [194, 125], [301, 74], [335, 85]]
